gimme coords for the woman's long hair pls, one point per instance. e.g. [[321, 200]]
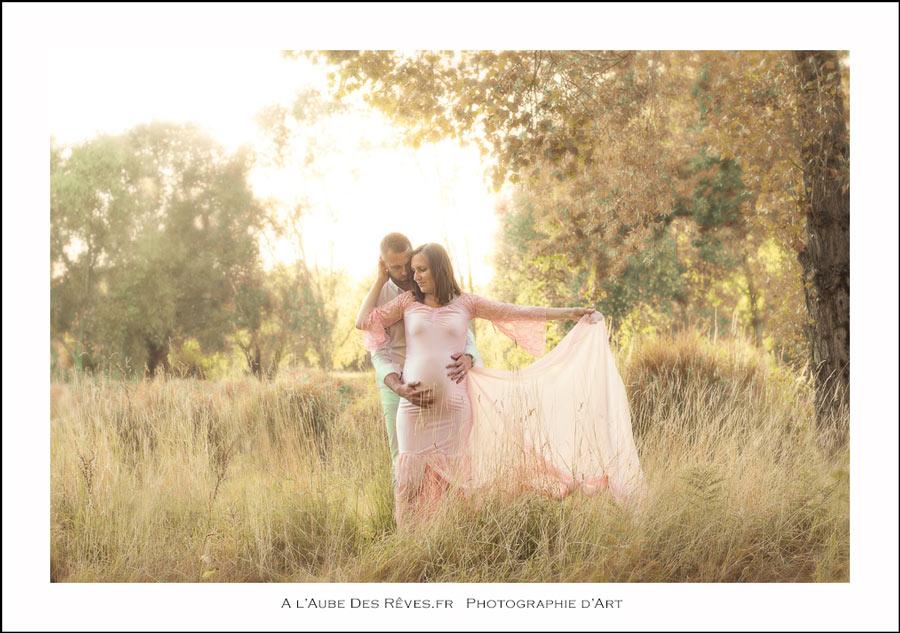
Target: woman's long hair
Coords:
[[445, 287]]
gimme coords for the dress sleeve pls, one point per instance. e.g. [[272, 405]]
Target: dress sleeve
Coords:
[[523, 324], [381, 317]]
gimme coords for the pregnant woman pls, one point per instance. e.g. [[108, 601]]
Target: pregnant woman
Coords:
[[555, 425]]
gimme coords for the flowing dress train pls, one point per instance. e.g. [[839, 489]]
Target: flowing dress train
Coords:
[[558, 425]]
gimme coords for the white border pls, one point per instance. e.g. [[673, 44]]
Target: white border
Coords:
[[868, 30]]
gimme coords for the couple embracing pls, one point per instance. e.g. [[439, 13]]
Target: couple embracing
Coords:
[[556, 426]]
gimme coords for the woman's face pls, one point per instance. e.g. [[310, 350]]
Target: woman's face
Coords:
[[422, 273]]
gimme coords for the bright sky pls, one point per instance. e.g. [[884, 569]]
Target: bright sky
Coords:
[[435, 194]]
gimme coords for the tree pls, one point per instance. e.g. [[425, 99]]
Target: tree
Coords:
[[94, 201], [611, 128], [276, 316], [825, 157], [785, 116], [148, 231]]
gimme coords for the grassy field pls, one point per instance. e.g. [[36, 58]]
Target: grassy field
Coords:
[[177, 480]]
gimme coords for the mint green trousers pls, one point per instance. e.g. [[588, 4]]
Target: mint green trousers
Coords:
[[389, 403]]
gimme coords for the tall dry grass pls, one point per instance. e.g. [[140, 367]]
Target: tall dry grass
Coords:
[[190, 481]]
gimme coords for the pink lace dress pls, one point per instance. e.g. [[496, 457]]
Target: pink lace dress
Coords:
[[557, 425]]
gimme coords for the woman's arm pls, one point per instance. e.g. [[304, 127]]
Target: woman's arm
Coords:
[[382, 317], [558, 314], [496, 311], [523, 324]]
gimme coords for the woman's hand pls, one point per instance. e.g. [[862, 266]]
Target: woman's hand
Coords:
[[577, 313], [568, 313]]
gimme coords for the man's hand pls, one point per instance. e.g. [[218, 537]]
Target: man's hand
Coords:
[[460, 366], [413, 392], [416, 394], [383, 273]]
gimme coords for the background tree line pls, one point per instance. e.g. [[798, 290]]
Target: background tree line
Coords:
[[660, 186], [668, 189], [155, 262]]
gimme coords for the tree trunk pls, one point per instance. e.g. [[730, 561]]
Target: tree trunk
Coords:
[[272, 368], [753, 297], [157, 355], [255, 360], [826, 256], [253, 356]]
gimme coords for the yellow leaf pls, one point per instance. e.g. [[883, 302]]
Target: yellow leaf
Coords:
[[209, 573]]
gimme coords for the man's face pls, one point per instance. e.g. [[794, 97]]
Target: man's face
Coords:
[[398, 268]]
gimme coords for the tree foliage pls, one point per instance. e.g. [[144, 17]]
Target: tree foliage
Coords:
[[675, 179], [150, 232]]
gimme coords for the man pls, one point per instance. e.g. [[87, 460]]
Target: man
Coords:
[[393, 268]]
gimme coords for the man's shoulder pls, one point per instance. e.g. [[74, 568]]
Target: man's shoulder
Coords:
[[389, 291]]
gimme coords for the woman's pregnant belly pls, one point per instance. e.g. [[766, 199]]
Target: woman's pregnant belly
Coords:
[[431, 341], [443, 427], [430, 370]]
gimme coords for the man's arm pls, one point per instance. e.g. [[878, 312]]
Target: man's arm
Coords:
[[413, 392], [387, 373], [472, 350], [384, 366], [372, 298]]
